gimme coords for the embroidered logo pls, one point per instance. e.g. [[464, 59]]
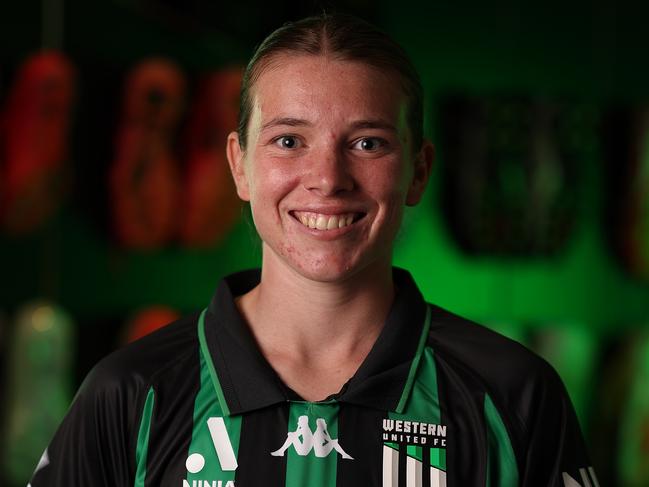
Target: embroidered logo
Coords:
[[414, 433], [303, 440], [424, 445]]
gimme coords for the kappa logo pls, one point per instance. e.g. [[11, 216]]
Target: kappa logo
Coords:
[[303, 440], [223, 447]]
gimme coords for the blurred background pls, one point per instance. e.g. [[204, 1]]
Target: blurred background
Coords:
[[118, 214]]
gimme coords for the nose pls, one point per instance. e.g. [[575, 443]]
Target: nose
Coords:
[[328, 173]]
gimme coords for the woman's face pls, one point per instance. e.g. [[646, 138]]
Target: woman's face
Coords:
[[328, 166]]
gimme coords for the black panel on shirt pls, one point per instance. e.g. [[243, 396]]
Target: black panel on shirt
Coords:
[[425, 481], [403, 470], [260, 431], [461, 399], [96, 442], [527, 392], [359, 433], [502, 367], [172, 422]]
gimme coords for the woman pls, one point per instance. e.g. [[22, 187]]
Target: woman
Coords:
[[327, 367]]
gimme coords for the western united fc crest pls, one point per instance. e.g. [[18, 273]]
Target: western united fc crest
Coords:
[[416, 446]]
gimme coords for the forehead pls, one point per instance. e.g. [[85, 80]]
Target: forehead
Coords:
[[318, 86]]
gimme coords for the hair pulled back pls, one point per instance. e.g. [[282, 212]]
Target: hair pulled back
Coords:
[[341, 37]]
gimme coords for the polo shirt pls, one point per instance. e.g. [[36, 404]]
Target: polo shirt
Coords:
[[439, 401]]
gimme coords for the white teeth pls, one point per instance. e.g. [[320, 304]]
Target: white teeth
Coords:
[[324, 222], [321, 222]]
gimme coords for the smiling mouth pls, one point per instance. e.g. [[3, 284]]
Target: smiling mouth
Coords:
[[320, 221]]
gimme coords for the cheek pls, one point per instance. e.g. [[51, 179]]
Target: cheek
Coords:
[[269, 184], [389, 189], [387, 184], [394, 211]]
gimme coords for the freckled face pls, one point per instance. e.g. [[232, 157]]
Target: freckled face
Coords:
[[328, 166]]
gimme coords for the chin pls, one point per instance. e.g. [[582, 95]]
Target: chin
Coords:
[[325, 272], [332, 270], [325, 265]]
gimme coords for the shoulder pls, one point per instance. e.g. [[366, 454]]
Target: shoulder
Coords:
[[510, 387], [517, 380], [103, 420], [489, 352], [131, 370]]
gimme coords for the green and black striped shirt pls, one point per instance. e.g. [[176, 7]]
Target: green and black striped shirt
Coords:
[[438, 402]]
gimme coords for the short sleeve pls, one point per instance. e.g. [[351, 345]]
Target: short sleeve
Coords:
[[92, 446], [556, 453]]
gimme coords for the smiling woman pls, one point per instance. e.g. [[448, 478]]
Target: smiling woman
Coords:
[[328, 142], [326, 367]]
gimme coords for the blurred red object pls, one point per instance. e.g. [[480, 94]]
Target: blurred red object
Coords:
[[144, 177], [35, 130], [147, 321], [211, 205]]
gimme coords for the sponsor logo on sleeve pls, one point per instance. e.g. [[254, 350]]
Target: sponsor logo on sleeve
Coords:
[[587, 478], [42, 463]]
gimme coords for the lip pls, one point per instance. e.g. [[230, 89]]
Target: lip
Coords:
[[329, 209]]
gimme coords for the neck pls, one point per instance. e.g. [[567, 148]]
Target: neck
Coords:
[[313, 321]]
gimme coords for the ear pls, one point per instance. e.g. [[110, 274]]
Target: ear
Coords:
[[423, 165], [236, 160]]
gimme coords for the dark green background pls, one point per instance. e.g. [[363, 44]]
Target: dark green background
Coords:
[[589, 52]]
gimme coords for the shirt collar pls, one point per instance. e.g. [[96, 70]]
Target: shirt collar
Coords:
[[248, 382]]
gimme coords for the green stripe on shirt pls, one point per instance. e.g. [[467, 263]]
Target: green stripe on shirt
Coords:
[[312, 447], [212, 454], [502, 470], [142, 447]]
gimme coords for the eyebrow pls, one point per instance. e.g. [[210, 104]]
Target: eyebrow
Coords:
[[373, 124], [299, 122], [288, 121]]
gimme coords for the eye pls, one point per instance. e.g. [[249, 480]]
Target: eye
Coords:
[[369, 144], [287, 142]]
